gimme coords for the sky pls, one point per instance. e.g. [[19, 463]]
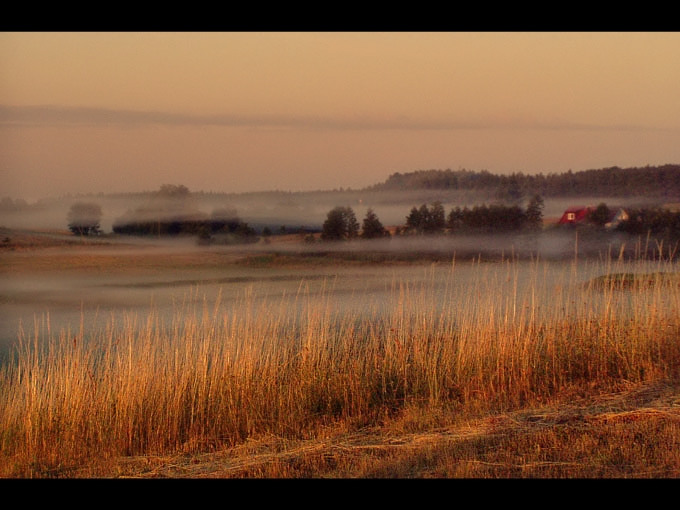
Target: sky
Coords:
[[91, 112]]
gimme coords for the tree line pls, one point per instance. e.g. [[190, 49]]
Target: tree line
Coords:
[[614, 181], [341, 222], [203, 226], [480, 219], [168, 212], [657, 222]]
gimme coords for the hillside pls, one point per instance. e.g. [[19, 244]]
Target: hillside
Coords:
[[661, 181]]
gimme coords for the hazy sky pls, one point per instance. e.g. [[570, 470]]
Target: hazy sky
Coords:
[[235, 112]]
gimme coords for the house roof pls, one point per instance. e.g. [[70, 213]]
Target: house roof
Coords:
[[579, 213]]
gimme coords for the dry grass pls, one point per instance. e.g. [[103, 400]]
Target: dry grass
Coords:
[[426, 384], [632, 433], [38, 239]]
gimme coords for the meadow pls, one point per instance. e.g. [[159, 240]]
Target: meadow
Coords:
[[180, 362]]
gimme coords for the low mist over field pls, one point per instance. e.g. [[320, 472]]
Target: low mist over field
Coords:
[[391, 200], [275, 209]]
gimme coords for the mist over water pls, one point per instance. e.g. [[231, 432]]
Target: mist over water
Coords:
[[69, 301], [43, 304]]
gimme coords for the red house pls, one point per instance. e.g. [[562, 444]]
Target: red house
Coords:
[[575, 215]]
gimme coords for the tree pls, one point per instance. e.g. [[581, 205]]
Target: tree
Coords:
[[424, 214], [334, 227], [513, 191], [600, 216], [455, 220], [341, 223], [83, 218], [413, 220], [174, 191], [224, 219], [436, 219], [534, 212], [352, 223], [372, 227], [423, 220]]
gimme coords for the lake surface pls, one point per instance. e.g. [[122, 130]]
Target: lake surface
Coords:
[[73, 291], [69, 299]]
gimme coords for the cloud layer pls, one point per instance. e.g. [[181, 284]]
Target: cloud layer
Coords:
[[53, 115]]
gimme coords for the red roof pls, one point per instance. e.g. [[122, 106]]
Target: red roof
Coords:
[[575, 214]]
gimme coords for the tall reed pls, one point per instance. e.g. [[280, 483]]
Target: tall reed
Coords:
[[216, 374]]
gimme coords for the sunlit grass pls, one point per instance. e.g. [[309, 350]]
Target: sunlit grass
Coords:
[[215, 375]]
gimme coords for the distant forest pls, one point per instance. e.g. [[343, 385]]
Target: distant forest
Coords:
[[661, 181]]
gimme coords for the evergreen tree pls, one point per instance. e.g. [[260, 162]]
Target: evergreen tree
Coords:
[[455, 220], [425, 220], [413, 220], [436, 219], [424, 214], [534, 212], [352, 223], [372, 227]]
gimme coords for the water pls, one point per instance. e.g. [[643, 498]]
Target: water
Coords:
[[50, 295], [82, 298]]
